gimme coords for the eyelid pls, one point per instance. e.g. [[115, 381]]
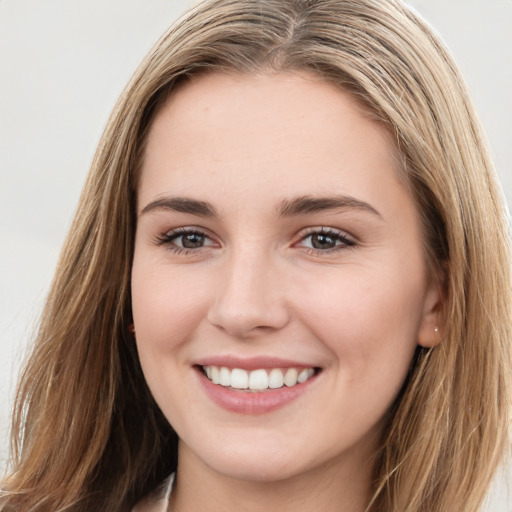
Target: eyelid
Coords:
[[170, 235], [167, 238], [326, 230], [347, 241]]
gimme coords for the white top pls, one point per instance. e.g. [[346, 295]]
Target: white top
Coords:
[[158, 500]]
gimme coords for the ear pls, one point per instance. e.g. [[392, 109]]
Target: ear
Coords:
[[432, 321]]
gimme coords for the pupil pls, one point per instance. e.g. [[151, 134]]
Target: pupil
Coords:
[[322, 241], [192, 241]]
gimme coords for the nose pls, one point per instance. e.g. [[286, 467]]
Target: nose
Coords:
[[251, 297]]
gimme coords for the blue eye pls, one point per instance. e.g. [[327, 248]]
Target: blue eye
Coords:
[[325, 240]]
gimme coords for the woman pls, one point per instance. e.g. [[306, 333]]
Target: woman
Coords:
[[287, 281]]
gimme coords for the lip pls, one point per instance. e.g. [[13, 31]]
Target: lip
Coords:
[[251, 363], [253, 403]]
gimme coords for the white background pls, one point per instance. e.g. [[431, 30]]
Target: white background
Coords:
[[62, 65]]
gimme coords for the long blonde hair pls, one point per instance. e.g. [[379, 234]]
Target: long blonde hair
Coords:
[[87, 434]]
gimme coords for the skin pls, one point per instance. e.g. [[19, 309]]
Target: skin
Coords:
[[356, 307]]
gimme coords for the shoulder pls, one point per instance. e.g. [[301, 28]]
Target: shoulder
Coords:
[[158, 500]]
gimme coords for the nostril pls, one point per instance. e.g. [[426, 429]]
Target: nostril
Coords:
[[248, 324]]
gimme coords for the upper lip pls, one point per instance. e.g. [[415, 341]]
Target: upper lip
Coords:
[[251, 363]]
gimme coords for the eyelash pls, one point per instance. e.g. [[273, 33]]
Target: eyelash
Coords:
[[337, 236], [168, 240]]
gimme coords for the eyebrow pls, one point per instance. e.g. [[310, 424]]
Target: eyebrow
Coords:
[[287, 208], [308, 204], [181, 204]]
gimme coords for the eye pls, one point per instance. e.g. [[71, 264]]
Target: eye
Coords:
[[189, 240], [326, 240], [185, 239]]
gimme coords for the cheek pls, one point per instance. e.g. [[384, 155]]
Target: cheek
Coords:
[[166, 305], [167, 308], [369, 321]]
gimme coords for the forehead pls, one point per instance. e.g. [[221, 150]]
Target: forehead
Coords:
[[244, 133]]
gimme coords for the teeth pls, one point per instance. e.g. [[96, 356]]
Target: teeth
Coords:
[[239, 379], [215, 378], [275, 379], [305, 374], [257, 380], [225, 377], [290, 377]]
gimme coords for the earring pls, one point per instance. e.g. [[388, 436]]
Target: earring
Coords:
[[436, 330]]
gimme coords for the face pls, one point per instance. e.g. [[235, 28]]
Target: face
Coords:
[[275, 242]]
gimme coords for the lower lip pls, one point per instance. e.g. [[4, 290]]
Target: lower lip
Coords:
[[246, 402]]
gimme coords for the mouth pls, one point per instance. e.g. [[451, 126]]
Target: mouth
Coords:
[[261, 389], [259, 379]]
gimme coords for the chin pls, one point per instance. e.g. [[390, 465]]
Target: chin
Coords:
[[259, 470], [254, 462]]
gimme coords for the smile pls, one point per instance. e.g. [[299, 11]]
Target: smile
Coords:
[[258, 379], [261, 386]]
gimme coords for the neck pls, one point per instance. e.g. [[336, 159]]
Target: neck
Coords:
[[341, 486]]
